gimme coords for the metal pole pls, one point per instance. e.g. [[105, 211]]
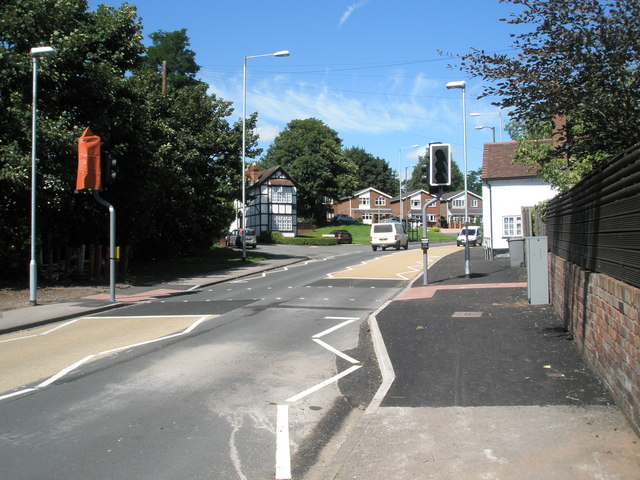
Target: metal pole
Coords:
[[467, 253], [244, 116], [112, 244], [33, 267]]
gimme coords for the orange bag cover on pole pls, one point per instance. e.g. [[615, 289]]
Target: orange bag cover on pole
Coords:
[[89, 171]]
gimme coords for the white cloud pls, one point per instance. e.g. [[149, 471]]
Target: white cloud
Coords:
[[350, 9], [267, 132]]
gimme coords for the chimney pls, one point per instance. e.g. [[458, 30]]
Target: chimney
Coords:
[[253, 173]]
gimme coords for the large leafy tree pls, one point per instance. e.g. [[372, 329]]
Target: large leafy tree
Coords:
[[177, 155], [84, 84], [372, 171], [311, 153], [573, 60]]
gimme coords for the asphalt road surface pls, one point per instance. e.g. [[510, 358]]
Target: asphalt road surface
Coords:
[[244, 380]]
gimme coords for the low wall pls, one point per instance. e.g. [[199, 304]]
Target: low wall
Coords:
[[602, 315]]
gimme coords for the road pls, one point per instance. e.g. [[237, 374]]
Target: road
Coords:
[[244, 380]]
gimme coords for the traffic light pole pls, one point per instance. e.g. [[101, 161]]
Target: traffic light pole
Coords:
[[112, 244], [424, 243]]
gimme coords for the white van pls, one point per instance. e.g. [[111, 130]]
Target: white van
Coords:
[[389, 234], [474, 234]]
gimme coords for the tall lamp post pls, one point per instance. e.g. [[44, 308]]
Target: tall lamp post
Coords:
[[400, 174], [36, 53], [282, 53], [462, 86], [499, 113], [493, 130]]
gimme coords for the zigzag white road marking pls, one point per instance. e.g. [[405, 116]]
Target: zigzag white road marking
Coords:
[[283, 447]]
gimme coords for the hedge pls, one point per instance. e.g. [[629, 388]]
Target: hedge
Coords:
[[277, 237]]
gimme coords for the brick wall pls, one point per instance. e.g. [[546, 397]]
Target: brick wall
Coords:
[[602, 315]]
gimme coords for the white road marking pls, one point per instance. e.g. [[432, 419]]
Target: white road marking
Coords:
[[323, 384], [283, 453], [336, 351], [336, 327]]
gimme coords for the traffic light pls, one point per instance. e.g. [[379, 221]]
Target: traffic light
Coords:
[[424, 177], [108, 169], [440, 161]]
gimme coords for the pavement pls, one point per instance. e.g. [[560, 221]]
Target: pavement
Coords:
[[477, 383]]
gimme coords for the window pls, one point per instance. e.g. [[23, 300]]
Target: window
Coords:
[[415, 203], [474, 203], [512, 226], [458, 203], [380, 201], [364, 201], [367, 217], [282, 223], [281, 195]]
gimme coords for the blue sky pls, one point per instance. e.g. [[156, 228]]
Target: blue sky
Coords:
[[369, 69]]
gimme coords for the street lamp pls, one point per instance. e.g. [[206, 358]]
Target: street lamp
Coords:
[[462, 86], [499, 113], [281, 53], [400, 174], [36, 53], [482, 127]]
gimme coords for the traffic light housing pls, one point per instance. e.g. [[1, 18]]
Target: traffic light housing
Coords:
[[440, 164], [108, 169], [424, 177]]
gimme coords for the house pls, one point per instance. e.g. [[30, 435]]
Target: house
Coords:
[[369, 205], [412, 203], [271, 201], [508, 189], [453, 208]]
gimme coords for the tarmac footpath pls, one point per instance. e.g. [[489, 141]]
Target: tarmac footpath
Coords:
[[478, 384]]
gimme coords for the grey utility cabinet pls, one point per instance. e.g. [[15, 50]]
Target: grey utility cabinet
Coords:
[[535, 249]]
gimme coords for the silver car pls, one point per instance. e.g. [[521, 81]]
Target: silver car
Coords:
[[234, 238]]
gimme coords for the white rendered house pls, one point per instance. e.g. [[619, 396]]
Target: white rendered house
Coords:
[[507, 188]]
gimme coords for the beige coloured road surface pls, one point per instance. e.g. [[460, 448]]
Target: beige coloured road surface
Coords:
[[42, 353], [402, 265]]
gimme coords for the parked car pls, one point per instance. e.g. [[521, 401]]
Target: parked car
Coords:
[[474, 233], [234, 238], [392, 219], [388, 234], [345, 219], [343, 236]]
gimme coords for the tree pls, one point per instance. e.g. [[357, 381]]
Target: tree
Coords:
[[172, 47], [372, 171], [312, 155], [83, 85], [578, 64], [178, 161]]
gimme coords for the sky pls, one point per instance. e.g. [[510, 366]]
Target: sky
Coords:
[[372, 70]]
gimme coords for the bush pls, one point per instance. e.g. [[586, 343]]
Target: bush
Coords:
[[434, 229]]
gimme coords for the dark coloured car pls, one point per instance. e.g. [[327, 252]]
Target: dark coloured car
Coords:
[[343, 236], [345, 219]]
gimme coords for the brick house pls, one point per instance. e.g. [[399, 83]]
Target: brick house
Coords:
[[412, 203], [452, 208], [369, 205]]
